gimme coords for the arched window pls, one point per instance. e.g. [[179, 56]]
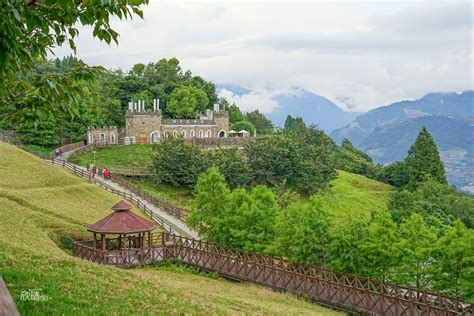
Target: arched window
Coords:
[[91, 138], [102, 138], [167, 134], [155, 137], [201, 134], [112, 138], [209, 134], [175, 133], [222, 133], [192, 134], [183, 133]]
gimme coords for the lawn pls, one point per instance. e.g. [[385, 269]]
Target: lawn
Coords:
[[119, 156], [40, 204]]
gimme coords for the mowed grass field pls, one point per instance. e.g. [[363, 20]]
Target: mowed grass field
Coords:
[[137, 155], [40, 203]]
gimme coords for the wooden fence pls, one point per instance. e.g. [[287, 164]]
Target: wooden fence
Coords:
[[123, 258], [348, 292], [128, 196], [65, 148], [343, 291]]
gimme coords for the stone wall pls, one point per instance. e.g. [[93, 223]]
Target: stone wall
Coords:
[[143, 126], [107, 135]]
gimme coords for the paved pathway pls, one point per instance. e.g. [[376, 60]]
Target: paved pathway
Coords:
[[180, 227]]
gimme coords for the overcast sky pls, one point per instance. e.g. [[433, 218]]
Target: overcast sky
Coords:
[[360, 55]]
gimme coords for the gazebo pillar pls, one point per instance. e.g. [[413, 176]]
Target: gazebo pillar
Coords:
[[95, 241], [149, 240], [102, 240]]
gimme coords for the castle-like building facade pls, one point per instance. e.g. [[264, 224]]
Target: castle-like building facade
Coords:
[[144, 126]]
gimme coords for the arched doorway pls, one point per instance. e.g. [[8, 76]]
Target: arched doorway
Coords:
[[155, 137], [222, 133], [102, 138], [209, 134], [112, 138], [91, 138]]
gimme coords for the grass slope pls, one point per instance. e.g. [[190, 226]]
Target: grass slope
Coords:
[[39, 203], [122, 156], [355, 196], [346, 197]]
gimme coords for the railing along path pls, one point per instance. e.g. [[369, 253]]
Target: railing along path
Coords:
[[128, 196], [340, 290]]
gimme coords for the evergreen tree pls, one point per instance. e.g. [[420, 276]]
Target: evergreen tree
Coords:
[[345, 247], [379, 247], [303, 233], [261, 123], [294, 123], [235, 115], [423, 161], [210, 207], [454, 262], [253, 216], [416, 246]]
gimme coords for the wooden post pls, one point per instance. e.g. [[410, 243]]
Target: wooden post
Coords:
[[149, 240], [120, 242], [95, 241], [102, 239]]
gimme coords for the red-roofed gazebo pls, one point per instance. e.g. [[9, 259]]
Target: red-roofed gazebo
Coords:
[[129, 227]]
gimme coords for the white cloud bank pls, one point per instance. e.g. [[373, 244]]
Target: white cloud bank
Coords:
[[358, 54]]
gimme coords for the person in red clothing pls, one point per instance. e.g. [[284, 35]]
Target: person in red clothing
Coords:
[[106, 173]]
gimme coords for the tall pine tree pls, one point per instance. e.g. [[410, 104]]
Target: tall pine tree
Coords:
[[423, 162]]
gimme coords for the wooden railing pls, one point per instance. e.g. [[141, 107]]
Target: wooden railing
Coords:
[[345, 291], [128, 196], [66, 148], [165, 206], [124, 258], [127, 171], [220, 141]]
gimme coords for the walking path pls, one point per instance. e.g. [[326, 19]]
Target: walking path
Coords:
[[179, 227]]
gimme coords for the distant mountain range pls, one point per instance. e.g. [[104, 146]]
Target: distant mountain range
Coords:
[[386, 133], [298, 102]]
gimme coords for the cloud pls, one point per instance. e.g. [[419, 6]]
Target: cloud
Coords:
[[359, 54], [255, 100]]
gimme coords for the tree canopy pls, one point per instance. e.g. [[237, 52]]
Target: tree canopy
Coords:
[[28, 32], [187, 102]]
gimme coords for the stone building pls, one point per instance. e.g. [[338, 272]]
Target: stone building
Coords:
[[147, 126]]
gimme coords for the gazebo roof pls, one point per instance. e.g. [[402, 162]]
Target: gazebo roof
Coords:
[[122, 221], [122, 206]]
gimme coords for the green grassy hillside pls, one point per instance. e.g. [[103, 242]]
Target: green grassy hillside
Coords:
[[40, 204], [355, 196], [346, 197]]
